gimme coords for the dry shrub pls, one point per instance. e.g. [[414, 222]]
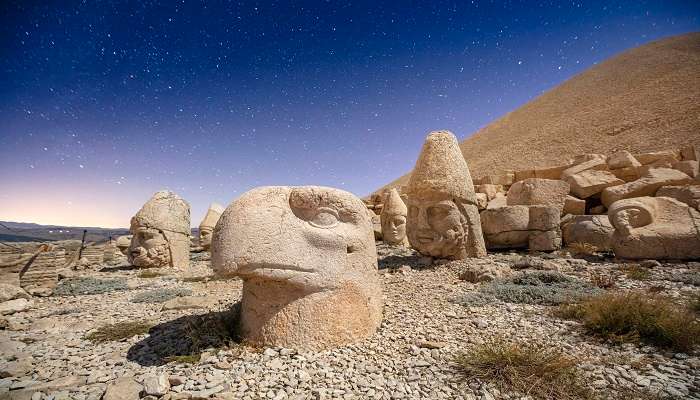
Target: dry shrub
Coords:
[[635, 316], [603, 281], [118, 331], [148, 274], [540, 371], [636, 272], [582, 249]]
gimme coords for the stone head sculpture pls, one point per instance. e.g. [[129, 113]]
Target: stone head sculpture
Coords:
[[123, 243], [161, 232], [654, 227], [206, 227], [443, 218], [393, 219], [308, 263]]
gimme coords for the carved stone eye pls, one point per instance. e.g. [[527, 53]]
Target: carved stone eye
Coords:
[[324, 218]]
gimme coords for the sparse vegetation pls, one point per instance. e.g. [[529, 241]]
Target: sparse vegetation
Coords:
[[473, 299], [687, 277], [603, 281], [540, 371], [582, 249], [150, 273], [203, 278], [88, 286], [118, 331], [540, 287], [636, 272], [694, 304], [160, 295], [635, 316], [186, 359]]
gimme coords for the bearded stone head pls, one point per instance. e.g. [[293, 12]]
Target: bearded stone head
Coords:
[[308, 263], [161, 233], [443, 218]]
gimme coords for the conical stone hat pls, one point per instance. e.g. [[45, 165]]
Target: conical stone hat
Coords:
[[393, 204], [213, 213], [441, 171], [165, 211]]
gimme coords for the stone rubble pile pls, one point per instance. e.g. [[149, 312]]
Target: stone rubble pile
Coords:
[[585, 192]]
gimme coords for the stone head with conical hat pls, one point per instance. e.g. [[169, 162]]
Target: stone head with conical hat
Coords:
[[161, 231], [443, 219], [206, 227], [393, 219]]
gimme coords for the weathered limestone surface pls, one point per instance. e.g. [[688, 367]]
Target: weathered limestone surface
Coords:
[[689, 167], [690, 153], [656, 228], [206, 227], [596, 163], [161, 233], [689, 195], [481, 201], [588, 183], [658, 157], [533, 227], [647, 185], [393, 219], [443, 216], [490, 190], [308, 262], [497, 203], [628, 174], [622, 159], [574, 206], [537, 191], [592, 229], [123, 243]]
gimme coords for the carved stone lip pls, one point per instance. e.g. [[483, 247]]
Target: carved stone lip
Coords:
[[261, 268]]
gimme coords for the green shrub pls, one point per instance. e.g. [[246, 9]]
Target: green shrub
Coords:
[[540, 371], [540, 287], [160, 295], [88, 285], [636, 316]]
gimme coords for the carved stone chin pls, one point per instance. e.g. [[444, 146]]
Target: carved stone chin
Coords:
[[308, 263]]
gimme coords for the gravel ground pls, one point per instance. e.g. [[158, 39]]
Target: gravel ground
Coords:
[[45, 354]]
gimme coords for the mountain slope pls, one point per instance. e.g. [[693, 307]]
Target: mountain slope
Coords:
[[644, 99]]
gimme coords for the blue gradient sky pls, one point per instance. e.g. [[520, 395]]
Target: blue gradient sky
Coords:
[[102, 104]]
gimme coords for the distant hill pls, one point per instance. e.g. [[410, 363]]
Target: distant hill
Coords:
[[644, 99], [30, 232]]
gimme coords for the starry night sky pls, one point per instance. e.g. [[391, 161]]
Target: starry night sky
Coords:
[[103, 103]]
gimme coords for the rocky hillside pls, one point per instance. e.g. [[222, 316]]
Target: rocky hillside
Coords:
[[644, 99]]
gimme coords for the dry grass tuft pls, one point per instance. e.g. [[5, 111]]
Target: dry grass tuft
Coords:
[[119, 331], [148, 274], [636, 272], [582, 249], [186, 359], [603, 281], [539, 371], [635, 316]]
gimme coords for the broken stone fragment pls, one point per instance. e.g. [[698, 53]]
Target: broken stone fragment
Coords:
[[647, 185]]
